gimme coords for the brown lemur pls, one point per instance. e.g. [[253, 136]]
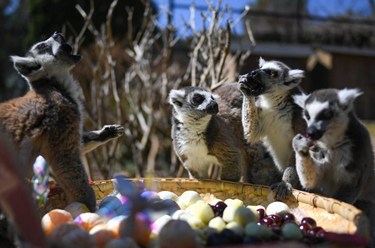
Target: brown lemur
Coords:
[[269, 114], [207, 129], [334, 157], [49, 118]]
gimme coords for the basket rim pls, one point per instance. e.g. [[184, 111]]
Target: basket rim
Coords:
[[331, 205]]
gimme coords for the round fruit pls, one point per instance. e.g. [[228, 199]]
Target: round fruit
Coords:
[[288, 217], [304, 227], [54, 218], [220, 207], [309, 221], [261, 213], [268, 221], [291, 231], [275, 218], [278, 208]]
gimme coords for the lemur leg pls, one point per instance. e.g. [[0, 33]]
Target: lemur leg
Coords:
[[63, 155], [232, 170], [368, 207], [308, 172], [250, 119], [93, 139]]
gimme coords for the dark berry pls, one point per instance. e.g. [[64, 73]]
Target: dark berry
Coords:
[[309, 221], [268, 221], [220, 207], [304, 227], [288, 217], [261, 213], [275, 218]]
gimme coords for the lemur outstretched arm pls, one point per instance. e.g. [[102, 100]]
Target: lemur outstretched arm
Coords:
[[251, 119], [93, 139]]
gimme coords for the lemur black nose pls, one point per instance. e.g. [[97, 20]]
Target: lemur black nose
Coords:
[[314, 133], [212, 108], [58, 37]]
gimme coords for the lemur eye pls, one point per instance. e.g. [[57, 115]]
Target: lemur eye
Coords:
[[198, 99], [273, 74], [307, 116], [328, 115]]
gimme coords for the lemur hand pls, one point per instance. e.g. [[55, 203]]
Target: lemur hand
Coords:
[[302, 144], [243, 87], [282, 190]]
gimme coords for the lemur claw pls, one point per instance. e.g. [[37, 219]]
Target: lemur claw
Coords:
[[302, 144], [282, 190]]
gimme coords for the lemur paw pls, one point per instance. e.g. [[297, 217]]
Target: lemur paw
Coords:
[[282, 190], [111, 132], [244, 88], [302, 144]]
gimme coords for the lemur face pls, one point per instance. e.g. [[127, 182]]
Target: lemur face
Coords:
[[194, 102], [272, 76], [50, 56], [326, 111]]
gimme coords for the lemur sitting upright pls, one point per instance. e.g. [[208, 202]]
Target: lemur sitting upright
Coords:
[[270, 114], [206, 130], [336, 158], [49, 118]]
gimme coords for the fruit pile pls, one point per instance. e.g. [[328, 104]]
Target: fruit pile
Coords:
[[189, 221]]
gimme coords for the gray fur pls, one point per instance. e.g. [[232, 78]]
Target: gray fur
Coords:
[[219, 137], [269, 114], [340, 162]]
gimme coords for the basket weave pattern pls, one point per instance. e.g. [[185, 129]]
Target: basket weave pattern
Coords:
[[329, 213]]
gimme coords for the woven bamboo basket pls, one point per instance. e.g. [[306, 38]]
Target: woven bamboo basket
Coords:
[[329, 213]]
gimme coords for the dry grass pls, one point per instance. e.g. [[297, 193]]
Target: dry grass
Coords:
[[126, 80]]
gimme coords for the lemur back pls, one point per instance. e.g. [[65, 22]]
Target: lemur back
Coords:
[[334, 157], [270, 115], [203, 137]]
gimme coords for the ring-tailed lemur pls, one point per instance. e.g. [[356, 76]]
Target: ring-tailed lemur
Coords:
[[49, 118], [335, 156], [270, 114], [207, 130]]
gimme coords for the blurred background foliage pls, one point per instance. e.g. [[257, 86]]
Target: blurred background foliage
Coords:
[[136, 51]]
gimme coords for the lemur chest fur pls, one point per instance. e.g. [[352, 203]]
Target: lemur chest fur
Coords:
[[192, 147], [277, 133], [333, 161]]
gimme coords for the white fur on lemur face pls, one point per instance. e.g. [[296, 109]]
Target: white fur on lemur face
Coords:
[[272, 76], [46, 59], [326, 112], [193, 102]]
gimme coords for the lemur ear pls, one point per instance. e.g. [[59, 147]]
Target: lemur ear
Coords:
[[216, 97], [347, 97], [261, 62], [300, 99], [295, 75], [176, 97], [25, 66]]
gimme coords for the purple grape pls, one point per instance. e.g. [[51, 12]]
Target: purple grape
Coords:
[[288, 217], [304, 227], [310, 221], [268, 221], [275, 218], [261, 213], [220, 207]]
